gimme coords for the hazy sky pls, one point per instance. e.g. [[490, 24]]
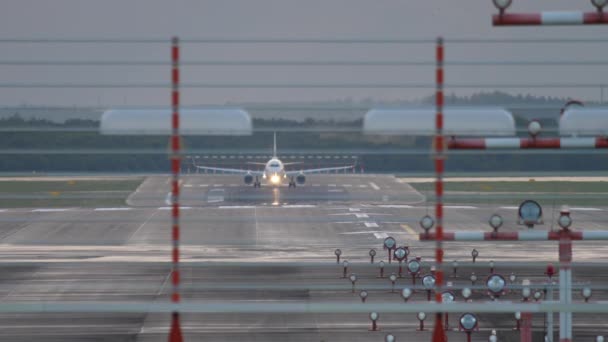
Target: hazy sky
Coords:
[[283, 19]]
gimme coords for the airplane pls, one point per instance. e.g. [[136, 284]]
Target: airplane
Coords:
[[274, 171]]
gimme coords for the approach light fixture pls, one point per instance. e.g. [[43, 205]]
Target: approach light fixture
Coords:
[[389, 243], [427, 223], [530, 213], [363, 295], [473, 278], [502, 5], [468, 322], [406, 293], [599, 4], [400, 253], [534, 128], [495, 222], [372, 254], [447, 297], [564, 220], [525, 293], [428, 281], [338, 252], [421, 317], [586, 292], [496, 284], [413, 266]]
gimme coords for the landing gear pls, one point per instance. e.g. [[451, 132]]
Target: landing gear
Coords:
[[257, 183], [292, 183]]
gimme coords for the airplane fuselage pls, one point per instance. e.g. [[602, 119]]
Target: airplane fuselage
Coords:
[[274, 171]]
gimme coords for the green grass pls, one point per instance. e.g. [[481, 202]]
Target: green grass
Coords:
[[68, 193], [512, 193]]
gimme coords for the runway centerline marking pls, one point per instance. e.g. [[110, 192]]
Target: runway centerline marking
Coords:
[[410, 231], [49, 210], [113, 209], [585, 209], [381, 235], [371, 224], [373, 185], [362, 215]]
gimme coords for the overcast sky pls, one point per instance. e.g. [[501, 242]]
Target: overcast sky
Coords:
[[283, 19]]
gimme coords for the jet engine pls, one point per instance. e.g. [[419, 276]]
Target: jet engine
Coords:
[[301, 178], [248, 179]]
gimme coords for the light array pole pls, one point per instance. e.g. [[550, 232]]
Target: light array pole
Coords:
[[561, 18], [175, 334], [438, 331]]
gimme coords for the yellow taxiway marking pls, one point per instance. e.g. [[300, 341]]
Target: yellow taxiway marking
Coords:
[[410, 231]]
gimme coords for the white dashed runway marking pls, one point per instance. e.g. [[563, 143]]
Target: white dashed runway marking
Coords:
[[459, 207], [362, 215], [381, 235], [586, 209], [371, 224], [49, 210], [113, 209], [374, 186]]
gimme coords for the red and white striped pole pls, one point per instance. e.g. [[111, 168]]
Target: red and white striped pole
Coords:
[[565, 283], [527, 143], [175, 334], [550, 18], [594, 235], [438, 331]]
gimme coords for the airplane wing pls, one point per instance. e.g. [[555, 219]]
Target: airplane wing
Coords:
[[306, 171], [236, 171]]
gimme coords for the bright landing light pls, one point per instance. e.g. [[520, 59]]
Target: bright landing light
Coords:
[[275, 179]]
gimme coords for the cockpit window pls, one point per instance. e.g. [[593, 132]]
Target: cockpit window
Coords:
[[274, 164]]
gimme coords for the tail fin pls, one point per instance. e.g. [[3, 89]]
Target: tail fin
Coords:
[[274, 146]]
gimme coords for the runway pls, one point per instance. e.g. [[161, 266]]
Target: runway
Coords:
[[255, 246]]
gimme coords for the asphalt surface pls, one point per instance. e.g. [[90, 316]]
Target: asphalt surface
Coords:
[[257, 246]]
